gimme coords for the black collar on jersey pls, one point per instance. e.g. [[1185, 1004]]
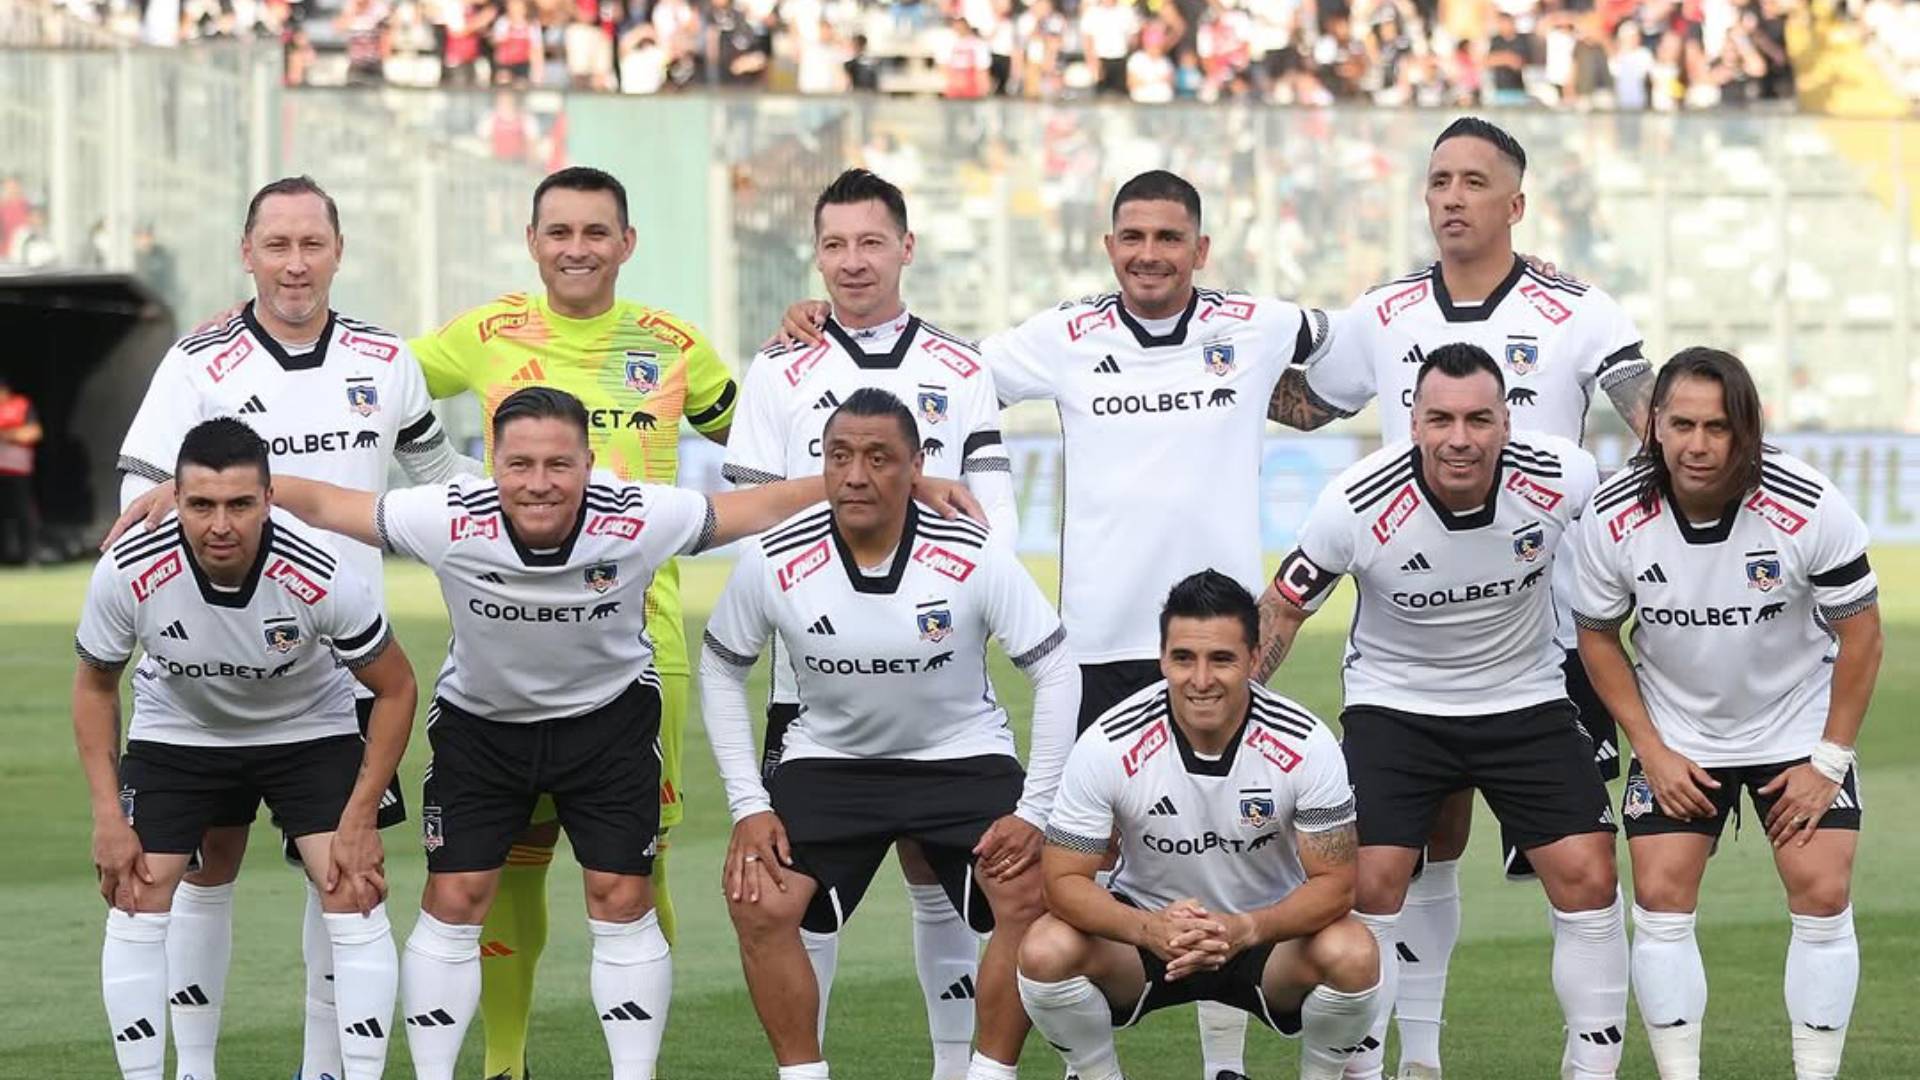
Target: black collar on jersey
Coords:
[[244, 595], [1484, 310], [1714, 533], [1194, 763], [1478, 519], [288, 363], [556, 557], [888, 584], [1149, 340], [864, 359]]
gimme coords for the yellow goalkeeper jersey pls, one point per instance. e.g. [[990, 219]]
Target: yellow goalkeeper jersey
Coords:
[[638, 370]]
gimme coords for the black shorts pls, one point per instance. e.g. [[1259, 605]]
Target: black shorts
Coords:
[[1606, 749], [841, 816], [393, 805], [171, 794], [780, 717], [1644, 817], [1533, 765], [602, 769], [1102, 686], [1239, 983]]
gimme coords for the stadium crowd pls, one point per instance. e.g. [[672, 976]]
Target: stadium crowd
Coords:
[[1625, 54]]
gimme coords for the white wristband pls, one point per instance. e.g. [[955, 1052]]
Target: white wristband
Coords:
[[1832, 760]]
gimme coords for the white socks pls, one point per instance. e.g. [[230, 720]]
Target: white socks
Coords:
[[1223, 1038], [440, 991], [1590, 978], [1823, 972], [946, 954], [320, 1040], [133, 984], [632, 986], [812, 1070], [1074, 1017], [366, 981], [1670, 982], [1333, 1023], [1368, 1062], [983, 1067], [199, 946], [1429, 928], [823, 954]]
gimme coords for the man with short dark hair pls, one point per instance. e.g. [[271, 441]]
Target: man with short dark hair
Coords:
[[1454, 678], [1757, 643], [1204, 762], [887, 610], [640, 371], [548, 690], [250, 630]]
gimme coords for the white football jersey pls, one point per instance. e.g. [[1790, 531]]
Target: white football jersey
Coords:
[[1220, 830], [1735, 658], [892, 665], [1163, 428], [249, 667], [789, 395], [1455, 615], [541, 635], [338, 413]]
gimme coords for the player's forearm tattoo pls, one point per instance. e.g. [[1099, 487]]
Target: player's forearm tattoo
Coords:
[[1632, 398], [1293, 403], [1337, 846], [1273, 643]]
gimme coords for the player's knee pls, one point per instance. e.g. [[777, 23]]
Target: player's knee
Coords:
[[1656, 892], [1019, 902], [1821, 897], [1588, 886], [1052, 951], [758, 922], [459, 899], [618, 898], [1346, 956], [221, 851]]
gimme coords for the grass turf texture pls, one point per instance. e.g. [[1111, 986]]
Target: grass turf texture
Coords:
[[1503, 1021]]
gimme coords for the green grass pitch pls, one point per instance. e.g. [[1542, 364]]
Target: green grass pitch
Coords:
[[1502, 1018]]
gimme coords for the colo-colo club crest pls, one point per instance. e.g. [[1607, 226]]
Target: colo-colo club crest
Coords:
[[282, 635], [602, 576], [643, 372], [935, 619]]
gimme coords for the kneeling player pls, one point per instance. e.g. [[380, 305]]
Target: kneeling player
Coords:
[[238, 698], [1757, 628], [887, 610], [1224, 796]]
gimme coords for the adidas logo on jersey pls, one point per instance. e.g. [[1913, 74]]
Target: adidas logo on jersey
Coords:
[[532, 372], [367, 1029], [821, 625], [626, 1010], [253, 405], [828, 400], [1163, 808], [1109, 366], [178, 633], [961, 990], [1416, 565], [491, 578], [1653, 575]]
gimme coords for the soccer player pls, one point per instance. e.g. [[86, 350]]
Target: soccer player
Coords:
[[548, 689], [862, 245], [1203, 763], [253, 638], [1757, 638], [887, 610], [640, 371], [1160, 379], [1559, 340], [335, 399], [1453, 678]]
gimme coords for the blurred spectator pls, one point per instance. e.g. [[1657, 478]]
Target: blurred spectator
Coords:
[[19, 433], [1150, 75], [14, 211], [1508, 53], [863, 68], [967, 63], [363, 24], [510, 131], [1632, 68], [589, 53], [643, 63], [738, 46], [823, 58], [1107, 29], [464, 34], [29, 244], [677, 27], [519, 54]]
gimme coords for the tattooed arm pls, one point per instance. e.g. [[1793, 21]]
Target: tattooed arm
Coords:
[[1330, 858], [1296, 405], [1280, 622], [1632, 397]]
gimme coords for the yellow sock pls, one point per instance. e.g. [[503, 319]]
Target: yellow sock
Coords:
[[510, 945], [663, 900]]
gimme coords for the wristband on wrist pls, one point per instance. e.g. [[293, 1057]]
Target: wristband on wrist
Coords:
[[1832, 760]]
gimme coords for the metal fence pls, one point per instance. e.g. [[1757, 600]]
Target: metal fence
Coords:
[[1789, 239]]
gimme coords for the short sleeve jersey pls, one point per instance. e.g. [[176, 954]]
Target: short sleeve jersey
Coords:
[[894, 664], [264, 664], [1455, 616], [1731, 617], [1162, 427], [638, 370], [338, 413], [544, 634], [1556, 339], [1220, 830]]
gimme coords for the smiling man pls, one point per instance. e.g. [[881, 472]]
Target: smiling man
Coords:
[[1453, 679], [639, 371]]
